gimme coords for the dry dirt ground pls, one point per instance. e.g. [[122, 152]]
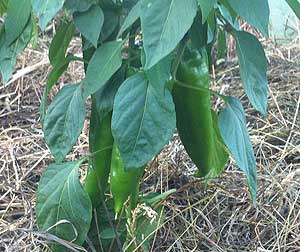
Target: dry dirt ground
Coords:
[[217, 217]]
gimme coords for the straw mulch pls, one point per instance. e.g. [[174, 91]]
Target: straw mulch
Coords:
[[218, 216]]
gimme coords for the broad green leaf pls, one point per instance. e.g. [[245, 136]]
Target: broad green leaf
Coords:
[[3, 6], [64, 120], [10, 52], [232, 124], [104, 63], [155, 198], [133, 15], [212, 28], [102, 221], [110, 26], [61, 198], [198, 32], [145, 229], [105, 96], [220, 154], [46, 10], [206, 7], [60, 42], [164, 24], [79, 5], [108, 234], [18, 14], [34, 34], [90, 23], [53, 77], [253, 69], [129, 4], [144, 116], [229, 14], [295, 6], [255, 12], [87, 51]]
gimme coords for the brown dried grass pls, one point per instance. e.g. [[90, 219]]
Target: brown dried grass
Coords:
[[218, 216]]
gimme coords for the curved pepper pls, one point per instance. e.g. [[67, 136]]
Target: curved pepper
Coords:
[[123, 184], [100, 143], [195, 122], [100, 137]]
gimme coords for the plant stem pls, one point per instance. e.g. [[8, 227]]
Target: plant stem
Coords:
[[223, 97], [180, 53]]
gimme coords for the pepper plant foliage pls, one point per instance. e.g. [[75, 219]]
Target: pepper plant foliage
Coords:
[[146, 73]]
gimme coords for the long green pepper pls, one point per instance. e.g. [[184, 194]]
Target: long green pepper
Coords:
[[123, 184], [100, 145], [195, 121], [100, 142]]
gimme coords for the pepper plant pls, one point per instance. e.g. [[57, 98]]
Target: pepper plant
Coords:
[[147, 72]]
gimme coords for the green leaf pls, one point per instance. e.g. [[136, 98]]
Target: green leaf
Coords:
[[53, 77], [229, 14], [104, 63], [103, 219], [105, 96], [3, 6], [108, 234], [295, 6], [64, 120], [129, 4], [164, 24], [110, 26], [10, 52], [60, 42], [198, 32], [46, 10], [144, 116], [206, 8], [145, 230], [155, 198], [255, 12], [253, 68], [79, 5], [220, 154], [232, 124], [212, 30], [60, 197], [90, 23], [18, 14], [133, 15], [34, 34]]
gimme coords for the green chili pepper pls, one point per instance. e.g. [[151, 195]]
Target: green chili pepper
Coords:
[[195, 122], [100, 143], [123, 184], [100, 135]]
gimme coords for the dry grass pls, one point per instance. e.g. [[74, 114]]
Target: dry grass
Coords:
[[216, 217]]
